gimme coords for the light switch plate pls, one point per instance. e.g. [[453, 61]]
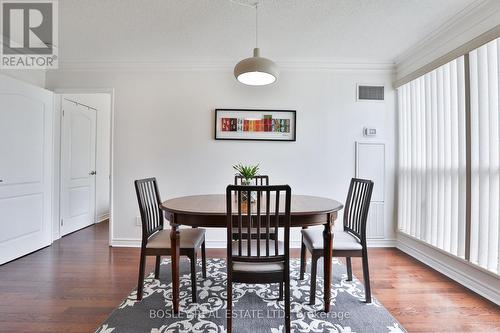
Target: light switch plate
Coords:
[[369, 131]]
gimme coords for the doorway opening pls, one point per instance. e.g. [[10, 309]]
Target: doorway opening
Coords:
[[85, 160]]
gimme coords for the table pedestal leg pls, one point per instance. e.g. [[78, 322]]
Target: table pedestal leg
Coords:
[[328, 247], [175, 244]]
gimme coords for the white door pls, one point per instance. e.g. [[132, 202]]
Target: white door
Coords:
[[78, 147], [26, 115]]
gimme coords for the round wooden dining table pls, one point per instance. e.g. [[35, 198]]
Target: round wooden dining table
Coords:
[[209, 211]]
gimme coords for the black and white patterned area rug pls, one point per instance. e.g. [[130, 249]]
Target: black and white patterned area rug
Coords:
[[256, 308]]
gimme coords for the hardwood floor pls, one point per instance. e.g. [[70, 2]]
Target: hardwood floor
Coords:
[[73, 285]]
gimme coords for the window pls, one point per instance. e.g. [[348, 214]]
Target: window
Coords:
[[432, 157], [485, 161], [449, 138]]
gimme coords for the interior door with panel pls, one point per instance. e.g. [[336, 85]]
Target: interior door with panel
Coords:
[[26, 116], [78, 164], [370, 164]]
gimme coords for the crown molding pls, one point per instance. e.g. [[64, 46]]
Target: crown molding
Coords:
[[441, 30], [473, 20], [145, 66], [450, 56]]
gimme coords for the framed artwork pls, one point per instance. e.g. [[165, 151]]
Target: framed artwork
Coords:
[[259, 125]]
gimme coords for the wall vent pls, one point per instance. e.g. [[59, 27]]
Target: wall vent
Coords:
[[370, 92]]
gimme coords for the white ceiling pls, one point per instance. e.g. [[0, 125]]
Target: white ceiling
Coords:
[[220, 30]]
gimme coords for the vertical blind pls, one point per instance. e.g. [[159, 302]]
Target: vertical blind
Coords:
[[485, 160], [432, 157], [433, 145]]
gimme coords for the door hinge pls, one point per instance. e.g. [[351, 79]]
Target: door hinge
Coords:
[[62, 222], [63, 113]]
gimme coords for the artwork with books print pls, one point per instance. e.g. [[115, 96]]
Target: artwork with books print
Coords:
[[247, 124]]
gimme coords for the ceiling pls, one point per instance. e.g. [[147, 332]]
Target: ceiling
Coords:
[[221, 30]]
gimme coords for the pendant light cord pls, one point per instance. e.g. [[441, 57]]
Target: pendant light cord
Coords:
[[256, 24], [256, 6]]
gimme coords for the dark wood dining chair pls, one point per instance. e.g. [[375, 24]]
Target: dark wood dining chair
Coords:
[[156, 240], [351, 242], [258, 259], [256, 180]]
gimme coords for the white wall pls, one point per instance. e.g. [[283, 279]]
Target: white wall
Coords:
[[32, 76], [164, 127]]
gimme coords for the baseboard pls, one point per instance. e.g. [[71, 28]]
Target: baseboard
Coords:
[[126, 242], [102, 217], [480, 281], [381, 242]]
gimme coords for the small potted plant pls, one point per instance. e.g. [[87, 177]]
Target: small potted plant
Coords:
[[247, 172]]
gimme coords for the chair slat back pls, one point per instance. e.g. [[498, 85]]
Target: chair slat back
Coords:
[[257, 223], [256, 180], [149, 201], [357, 206]]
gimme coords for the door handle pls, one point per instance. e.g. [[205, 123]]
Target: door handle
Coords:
[[92, 173]]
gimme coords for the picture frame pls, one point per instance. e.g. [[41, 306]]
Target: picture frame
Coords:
[[255, 125]]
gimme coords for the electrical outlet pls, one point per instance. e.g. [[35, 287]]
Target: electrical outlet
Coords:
[[138, 221]]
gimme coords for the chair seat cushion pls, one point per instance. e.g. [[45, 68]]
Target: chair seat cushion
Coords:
[[239, 266], [258, 266], [342, 240], [190, 238]]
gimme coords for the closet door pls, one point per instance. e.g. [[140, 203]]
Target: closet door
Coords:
[[78, 164], [26, 114]]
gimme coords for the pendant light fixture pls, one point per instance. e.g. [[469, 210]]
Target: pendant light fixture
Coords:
[[256, 71]]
